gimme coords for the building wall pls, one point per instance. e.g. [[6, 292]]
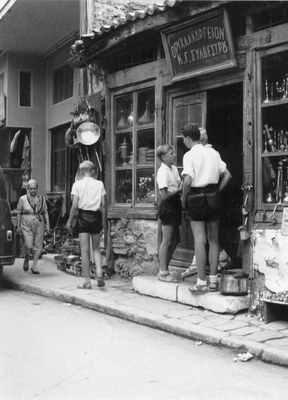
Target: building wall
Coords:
[[103, 12], [28, 117], [3, 69]]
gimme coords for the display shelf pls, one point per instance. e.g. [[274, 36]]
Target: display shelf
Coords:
[[274, 103], [275, 154]]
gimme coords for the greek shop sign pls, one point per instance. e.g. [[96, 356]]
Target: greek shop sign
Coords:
[[199, 46]]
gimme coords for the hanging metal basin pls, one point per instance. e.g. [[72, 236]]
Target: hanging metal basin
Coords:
[[88, 133]]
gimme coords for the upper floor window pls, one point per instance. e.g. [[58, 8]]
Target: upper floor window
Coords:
[[25, 82], [62, 84], [271, 16]]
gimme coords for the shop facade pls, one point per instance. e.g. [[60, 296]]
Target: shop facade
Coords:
[[224, 66]]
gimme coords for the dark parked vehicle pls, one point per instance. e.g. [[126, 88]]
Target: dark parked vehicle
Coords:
[[7, 230]]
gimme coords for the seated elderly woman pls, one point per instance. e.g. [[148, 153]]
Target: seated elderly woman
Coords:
[[32, 218]]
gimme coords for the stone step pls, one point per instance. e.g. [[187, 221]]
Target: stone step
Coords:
[[179, 292]]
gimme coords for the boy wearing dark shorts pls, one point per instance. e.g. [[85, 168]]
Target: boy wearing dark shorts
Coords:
[[205, 175], [89, 199]]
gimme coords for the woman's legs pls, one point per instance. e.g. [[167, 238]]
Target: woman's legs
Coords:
[[84, 239], [38, 244]]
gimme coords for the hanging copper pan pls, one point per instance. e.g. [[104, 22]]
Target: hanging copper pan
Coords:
[[88, 133]]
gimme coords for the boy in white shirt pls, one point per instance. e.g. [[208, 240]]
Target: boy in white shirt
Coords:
[[90, 201]]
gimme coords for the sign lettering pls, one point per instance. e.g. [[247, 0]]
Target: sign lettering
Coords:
[[199, 47]]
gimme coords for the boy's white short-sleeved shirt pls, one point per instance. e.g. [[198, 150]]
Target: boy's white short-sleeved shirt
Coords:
[[168, 178], [90, 192], [204, 165]]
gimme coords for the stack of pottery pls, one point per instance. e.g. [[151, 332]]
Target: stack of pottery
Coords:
[[150, 156], [143, 155]]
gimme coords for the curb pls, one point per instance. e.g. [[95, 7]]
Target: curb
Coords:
[[175, 326]]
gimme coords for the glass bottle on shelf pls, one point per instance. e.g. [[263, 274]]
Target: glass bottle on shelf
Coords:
[[122, 124]]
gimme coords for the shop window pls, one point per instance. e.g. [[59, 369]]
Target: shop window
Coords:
[[64, 161], [134, 148], [274, 128], [62, 84], [134, 55], [15, 160], [25, 89]]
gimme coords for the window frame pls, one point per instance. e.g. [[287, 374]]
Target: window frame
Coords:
[[260, 204], [61, 97], [133, 210], [19, 88]]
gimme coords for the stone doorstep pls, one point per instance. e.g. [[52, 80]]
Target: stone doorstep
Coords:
[[178, 292]]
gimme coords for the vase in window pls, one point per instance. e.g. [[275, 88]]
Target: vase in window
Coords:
[[146, 117], [123, 150], [130, 118], [122, 122]]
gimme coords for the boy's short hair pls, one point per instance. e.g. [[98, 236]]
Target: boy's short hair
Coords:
[[191, 130], [163, 149], [86, 165]]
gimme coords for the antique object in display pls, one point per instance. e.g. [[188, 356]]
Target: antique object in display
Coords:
[[234, 283], [122, 124], [146, 118], [266, 92], [244, 235], [269, 198], [130, 117], [123, 150], [88, 133], [282, 88], [143, 155], [243, 207], [285, 197]]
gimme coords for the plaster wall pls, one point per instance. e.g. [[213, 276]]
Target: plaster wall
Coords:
[[270, 258], [3, 70], [29, 117]]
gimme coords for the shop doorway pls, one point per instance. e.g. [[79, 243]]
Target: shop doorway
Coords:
[[224, 124], [220, 111]]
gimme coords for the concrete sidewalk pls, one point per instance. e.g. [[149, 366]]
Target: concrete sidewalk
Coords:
[[241, 332]]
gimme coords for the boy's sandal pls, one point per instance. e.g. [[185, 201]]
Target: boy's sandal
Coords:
[[85, 285], [213, 286], [192, 270], [167, 277], [198, 288], [100, 281]]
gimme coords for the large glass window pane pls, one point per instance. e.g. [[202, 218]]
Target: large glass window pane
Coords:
[[146, 107], [124, 112], [145, 186], [145, 146], [124, 186]]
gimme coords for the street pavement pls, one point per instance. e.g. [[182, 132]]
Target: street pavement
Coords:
[[244, 333]]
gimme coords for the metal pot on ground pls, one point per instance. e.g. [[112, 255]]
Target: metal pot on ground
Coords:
[[234, 283]]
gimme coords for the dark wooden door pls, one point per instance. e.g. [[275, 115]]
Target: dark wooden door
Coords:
[[184, 107]]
